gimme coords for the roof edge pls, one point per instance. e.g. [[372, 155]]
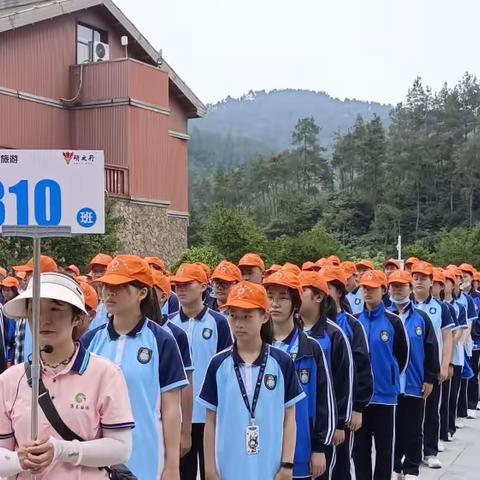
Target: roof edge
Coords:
[[29, 14]]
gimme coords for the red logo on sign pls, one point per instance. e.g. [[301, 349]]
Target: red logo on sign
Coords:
[[67, 156]]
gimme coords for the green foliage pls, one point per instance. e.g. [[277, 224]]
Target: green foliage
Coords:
[[417, 178], [308, 245], [205, 254], [78, 249], [233, 232], [458, 246]]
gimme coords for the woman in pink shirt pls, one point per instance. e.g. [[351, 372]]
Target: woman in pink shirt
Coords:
[[88, 392]]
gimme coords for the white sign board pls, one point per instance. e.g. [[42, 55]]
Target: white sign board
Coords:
[[52, 188]]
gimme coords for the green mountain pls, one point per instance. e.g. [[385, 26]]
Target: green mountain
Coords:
[[236, 130]]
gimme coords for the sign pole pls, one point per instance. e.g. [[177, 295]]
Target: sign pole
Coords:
[[35, 336]]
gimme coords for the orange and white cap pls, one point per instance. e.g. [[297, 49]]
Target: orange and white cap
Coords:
[[400, 276], [334, 273], [227, 271], [90, 295], [284, 278], [47, 264], [315, 280], [101, 259], [424, 268], [126, 269], [365, 264], [162, 281], [189, 272], [10, 282], [247, 296], [252, 260], [373, 279]]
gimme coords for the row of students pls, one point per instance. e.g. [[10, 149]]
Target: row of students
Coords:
[[324, 297]]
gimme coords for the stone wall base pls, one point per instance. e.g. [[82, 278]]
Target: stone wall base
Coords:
[[149, 230]]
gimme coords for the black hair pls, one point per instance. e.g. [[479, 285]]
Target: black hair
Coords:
[[266, 332], [343, 302], [149, 306]]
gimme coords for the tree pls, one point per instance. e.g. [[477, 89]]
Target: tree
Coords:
[[233, 232]]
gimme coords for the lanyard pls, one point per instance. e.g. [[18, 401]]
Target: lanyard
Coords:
[[292, 341], [256, 394]]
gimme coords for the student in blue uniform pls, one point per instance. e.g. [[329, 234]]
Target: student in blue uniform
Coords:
[[223, 278], [388, 345], [316, 414], [439, 314], [150, 361], [250, 391], [354, 294], [416, 383], [363, 380], [162, 287], [317, 311], [458, 360], [208, 333]]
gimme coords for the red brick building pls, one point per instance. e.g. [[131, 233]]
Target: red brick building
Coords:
[[67, 80]]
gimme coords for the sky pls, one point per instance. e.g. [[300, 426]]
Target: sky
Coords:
[[364, 49]]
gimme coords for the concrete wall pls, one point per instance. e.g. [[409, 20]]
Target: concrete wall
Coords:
[[148, 230]]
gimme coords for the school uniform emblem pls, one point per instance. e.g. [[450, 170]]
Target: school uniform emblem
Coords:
[[144, 355], [418, 330], [270, 381], [358, 301], [384, 336], [207, 333], [432, 310], [304, 375], [293, 356]]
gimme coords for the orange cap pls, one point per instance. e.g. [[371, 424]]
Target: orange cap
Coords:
[[476, 276], [392, 261], [274, 268], [157, 262], [10, 282], [366, 264], [315, 280], [251, 260], [247, 295], [20, 275], [82, 278], [90, 295], [332, 273], [205, 268], [227, 271], [400, 276], [100, 259], [411, 260], [438, 275], [323, 262], [74, 269], [373, 279], [161, 281], [449, 274], [309, 267], [333, 259], [422, 267], [125, 269], [47, 264], [189, 272], [284, 278], [3, 272], [466, 267], [290, 267], [455, 270], [349, 268]]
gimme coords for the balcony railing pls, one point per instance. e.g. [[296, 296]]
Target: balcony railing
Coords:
[[116, 181]]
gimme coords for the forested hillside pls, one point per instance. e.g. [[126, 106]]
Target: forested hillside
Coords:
[[418, 177]]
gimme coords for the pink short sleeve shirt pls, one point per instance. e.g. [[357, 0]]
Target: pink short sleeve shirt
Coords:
[[90, 394]]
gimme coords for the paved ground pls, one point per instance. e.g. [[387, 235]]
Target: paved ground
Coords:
[[461, 459]]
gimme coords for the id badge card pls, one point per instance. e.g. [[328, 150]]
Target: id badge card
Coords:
[[252, 439]]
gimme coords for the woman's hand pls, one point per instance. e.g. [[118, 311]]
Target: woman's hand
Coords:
[[22, 453], [171, 474], [39, 456], [284, 474], [356, 421], [185, 443], [339, 437], [318, 464]]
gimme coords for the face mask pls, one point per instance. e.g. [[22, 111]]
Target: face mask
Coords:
[[465, 285], [402, 301]]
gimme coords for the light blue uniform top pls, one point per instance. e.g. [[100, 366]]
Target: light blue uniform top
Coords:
[[355, 300], [101, 317], [151, 363], [208, 333], [280, 389]]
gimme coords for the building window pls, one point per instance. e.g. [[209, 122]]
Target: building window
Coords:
[[86, 36]]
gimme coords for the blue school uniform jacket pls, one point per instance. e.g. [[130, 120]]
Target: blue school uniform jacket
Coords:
[[316, 414], [337, 351], [363, 377], [388, 344], [423, 364]]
